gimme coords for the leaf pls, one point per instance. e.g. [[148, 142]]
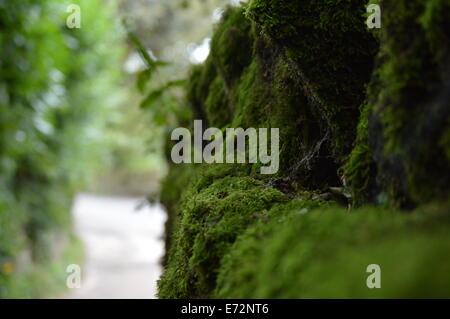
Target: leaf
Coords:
[[155, 95], [152, 97], [176, 83], [160, 118], [151, 64], [142, 51], [161, 63], [143, 78]]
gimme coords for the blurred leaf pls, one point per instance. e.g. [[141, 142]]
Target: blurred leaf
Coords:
[[142, 51], [143, 78], [155, 95], [176, 83], [160, 117], [149, 61], [161, 63], [152, 97]]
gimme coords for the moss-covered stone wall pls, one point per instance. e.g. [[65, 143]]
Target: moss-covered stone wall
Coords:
[[363, 118]]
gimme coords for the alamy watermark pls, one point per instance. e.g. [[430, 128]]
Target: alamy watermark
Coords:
[[374, 279], [73, 21], [374, 19], [229, 148], [73, 280]]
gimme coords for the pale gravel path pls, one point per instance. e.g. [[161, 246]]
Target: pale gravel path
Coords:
[[123, 247]]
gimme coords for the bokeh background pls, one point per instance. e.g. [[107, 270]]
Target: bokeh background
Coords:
[[85, 111]]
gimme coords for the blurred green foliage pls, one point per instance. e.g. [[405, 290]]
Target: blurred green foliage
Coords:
[[161, 31], [57, 93], [161, 100]]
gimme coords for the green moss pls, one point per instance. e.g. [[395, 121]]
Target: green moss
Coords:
[[360, 169], [434, 21], [232, 45], [445, 142], [250, 80], [197, 89], [324, 253], [172, 188], [211, 220], [410, 113], [268, 96], [210, 84], [303, 68], [217, 106], [332, 52]]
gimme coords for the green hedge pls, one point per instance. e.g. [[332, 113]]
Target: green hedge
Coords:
[[55, 85]]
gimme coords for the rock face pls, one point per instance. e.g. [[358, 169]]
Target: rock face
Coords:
[[361, 112]]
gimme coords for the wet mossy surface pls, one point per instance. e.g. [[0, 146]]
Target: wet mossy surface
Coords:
[[363, 140]]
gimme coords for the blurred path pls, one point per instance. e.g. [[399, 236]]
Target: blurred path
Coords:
[[123, 245]]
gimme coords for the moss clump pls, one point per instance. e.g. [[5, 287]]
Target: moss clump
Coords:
[[198, 87], [333, 53], [210, 222], [217, 105], [360, 169], [172, 188], [232, 45], [210, 84], [324, 253], [254, 80], [268, 95]]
